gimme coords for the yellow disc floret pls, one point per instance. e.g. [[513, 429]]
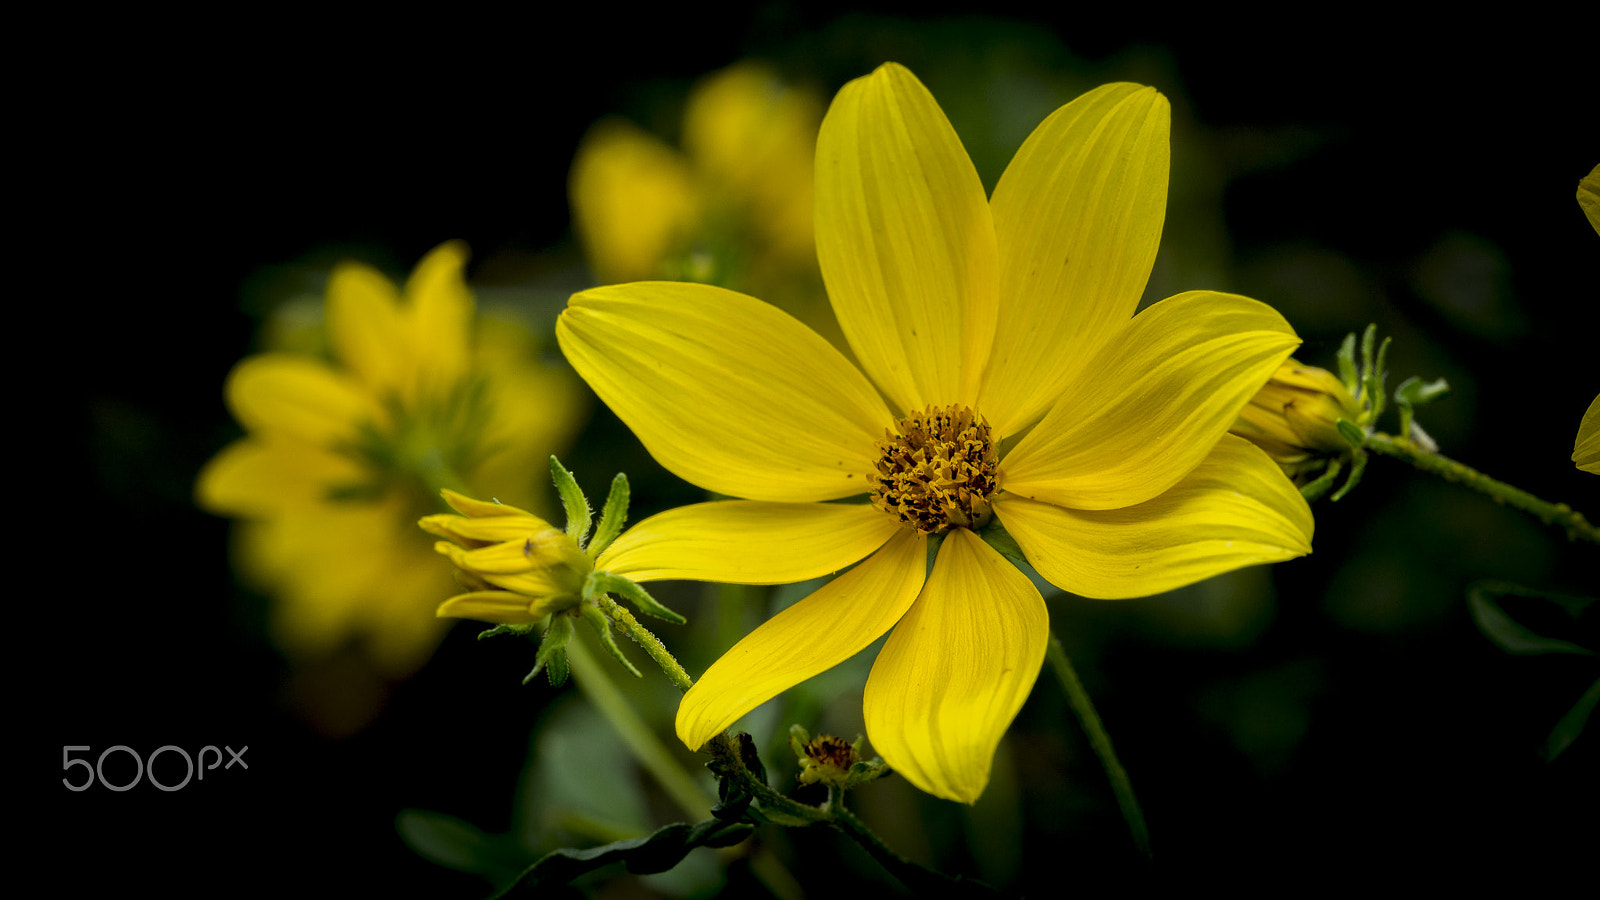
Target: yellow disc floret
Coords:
[[938, 472]]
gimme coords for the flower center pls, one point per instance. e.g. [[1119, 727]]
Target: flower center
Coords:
[[938, 472]]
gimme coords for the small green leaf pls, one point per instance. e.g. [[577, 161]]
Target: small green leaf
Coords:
[[612, 517], [1375, 385], [995, 535], [579, 516]]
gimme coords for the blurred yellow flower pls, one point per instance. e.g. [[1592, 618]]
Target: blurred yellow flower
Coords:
[[1589, 197], [732, 208], [1586, 449], [1009, 379], [340, 457]]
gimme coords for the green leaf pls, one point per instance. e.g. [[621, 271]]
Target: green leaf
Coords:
[[446, 840], [1571, 724], [579, 516], [505, 629], [647, 855], [1511, 635], [612, 517]]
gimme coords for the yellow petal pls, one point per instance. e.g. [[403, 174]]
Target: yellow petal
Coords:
[[905, 240], [1151, 405], [257, 477], [727, 392], [1077, 217], [956, 670], [439, 317], [1236, 509], [748, 542], [467, 506], [812, 636], [1586, 449], [490, 530], [365, 328], [633, 201], [299, 397], [502, 607]]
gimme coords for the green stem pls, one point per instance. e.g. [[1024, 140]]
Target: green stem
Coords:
[[647, 641], [1101, 742], [1560, 513], [597, 686]]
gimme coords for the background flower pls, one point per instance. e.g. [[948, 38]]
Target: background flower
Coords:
[[342, 455]]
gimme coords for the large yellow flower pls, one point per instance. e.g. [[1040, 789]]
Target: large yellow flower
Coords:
[[341, 456], [1006, 375]]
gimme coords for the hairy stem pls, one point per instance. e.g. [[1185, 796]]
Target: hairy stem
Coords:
[[1559, 513]]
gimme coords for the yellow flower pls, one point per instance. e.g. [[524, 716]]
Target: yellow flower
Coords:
[[1586, 449], [1293, 416], [1016, 383], [733, 208], [341, 456]]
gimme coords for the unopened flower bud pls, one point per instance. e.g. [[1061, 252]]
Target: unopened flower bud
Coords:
[[1295, 415], [519, 567]]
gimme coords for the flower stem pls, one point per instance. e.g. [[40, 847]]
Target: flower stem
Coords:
[[597, 686], [1560, 513], [1090, 720], [647, 641]]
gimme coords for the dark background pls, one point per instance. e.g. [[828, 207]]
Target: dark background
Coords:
[[1360, 722]]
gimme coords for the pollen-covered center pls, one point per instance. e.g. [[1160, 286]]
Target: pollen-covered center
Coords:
[[938, 472]]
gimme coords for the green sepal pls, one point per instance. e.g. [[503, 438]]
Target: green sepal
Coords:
[[1353, 434], [552, 656], [865, 771], [602, 627], [1415, 392], [798, 739], [1358, 465], [579, 516], [506, 629], [1313, 490], [1347, 365], [612, 517], [1375, 393], [995, 535], [599, 583]]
